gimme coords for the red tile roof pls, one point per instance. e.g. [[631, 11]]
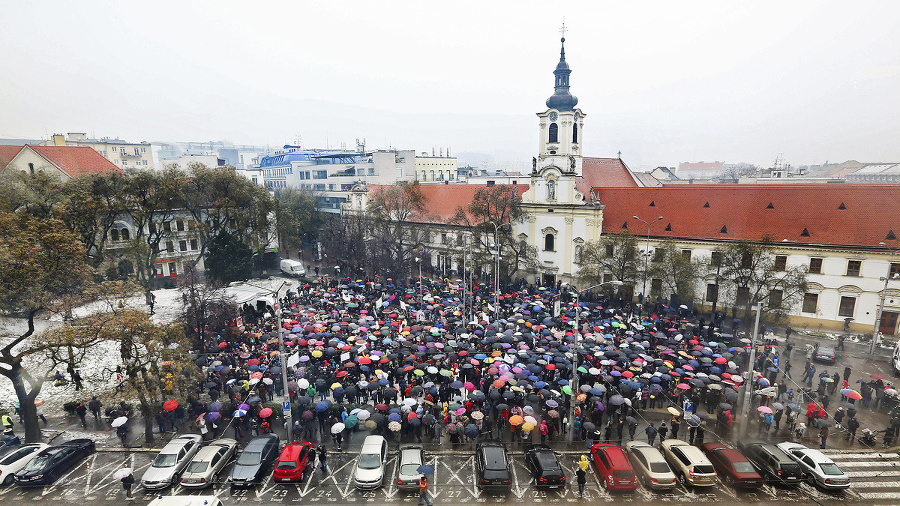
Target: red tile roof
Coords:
[[442, 200], [7, 153], [607, 173], [77, 161], [748, 212]]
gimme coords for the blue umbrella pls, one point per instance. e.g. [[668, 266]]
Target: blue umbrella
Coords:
[[253, 400], [216, 406], [456, 384], [394, 417], [425, 469], [322, 406], [239, 413]]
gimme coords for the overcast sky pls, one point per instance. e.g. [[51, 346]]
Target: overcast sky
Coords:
[[664, 82]]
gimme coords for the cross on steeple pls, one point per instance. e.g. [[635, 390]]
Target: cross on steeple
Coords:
[[562, 29]]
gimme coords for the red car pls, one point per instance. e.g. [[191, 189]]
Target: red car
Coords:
[[732, 466], [615, 469], [294, 460]]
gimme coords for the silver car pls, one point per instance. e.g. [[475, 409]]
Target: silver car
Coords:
[[207, 463], [818, 469], [411, 457], [369, 472], [650, 466], [170, 461]]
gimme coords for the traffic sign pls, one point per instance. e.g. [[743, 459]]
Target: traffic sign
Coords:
[[286, 406]]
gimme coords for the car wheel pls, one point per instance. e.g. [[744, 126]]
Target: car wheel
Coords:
[[8, 480], [729, 480], [682, 480]]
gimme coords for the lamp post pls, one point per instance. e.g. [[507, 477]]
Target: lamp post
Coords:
[[876, 333], [496, 271], [576, 344], [647, 253], [748, 382]]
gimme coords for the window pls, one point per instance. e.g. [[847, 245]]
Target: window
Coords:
[[31, 167], [114, 234], [715, 258], [152, 227], [775, 299], [895, 270], [810, 303], [143, 150], [609, 250], [137, 152], [659, 255], [443, 238], [853, 267], [554, 133], [575, 133], [815, 266], [848, 304], [686, 254], [144, 162], [746, 261], [125, 234], [179, 225], [712, 292], [194, 244], [170, 247], [182, 245], [167, 226], [607, 277], [320, 174], [655, 287], [743, 296], [780, 262], [122, 150], [578, 251], [172, 271], [549, 243]]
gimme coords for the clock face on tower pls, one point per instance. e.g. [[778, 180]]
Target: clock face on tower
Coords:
[[553, 116]]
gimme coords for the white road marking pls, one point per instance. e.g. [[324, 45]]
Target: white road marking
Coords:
[[852, 465], [880, 495], [859, 456], [872, 474]]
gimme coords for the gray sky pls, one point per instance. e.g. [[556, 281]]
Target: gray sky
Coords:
[[664, 82]]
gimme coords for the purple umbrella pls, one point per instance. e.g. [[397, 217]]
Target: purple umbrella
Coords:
[[212, 416]]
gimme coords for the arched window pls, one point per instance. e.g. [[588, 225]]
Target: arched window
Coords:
[[114, 235], [551, 190], [126, 268], [125, 234], [575, 133], [554, 133], [549, 243], [578, 250]]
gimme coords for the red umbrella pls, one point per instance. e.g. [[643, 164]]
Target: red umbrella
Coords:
[[341, 374], [721, 360], [381, 407], [265, 412], [170, 405], [683, 386], [253, 361], [222, 346], [244, 355], [364, 360]]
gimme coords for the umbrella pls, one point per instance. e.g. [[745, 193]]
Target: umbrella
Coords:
[[170, 405], [322, 406], [363, 415], [212, 416], [338, 428], [394, 426], [239, 413], [851, 394], [118, 422], [471, 431], [425, 469], [265, 412], [764, 409], [694, 421], [725, 406], [121, 473], [673, 410], [823, 423], [516, 420], [350, 421]]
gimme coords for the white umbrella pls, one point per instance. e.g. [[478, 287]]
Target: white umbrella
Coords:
[[267, 381], [363, 415], [409, 401], [254, 381], [119, 421], [303, 383], [337, 428], [121, 473]]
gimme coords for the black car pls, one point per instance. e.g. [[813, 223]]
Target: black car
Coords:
[[544, 466], [773, 464], [825, 353], [492, 467], [52, 462], [256, 458]]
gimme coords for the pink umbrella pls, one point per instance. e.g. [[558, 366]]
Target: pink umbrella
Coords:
[[461, 411], [683, 386], [469, 386], [764, 409], [265, 412]]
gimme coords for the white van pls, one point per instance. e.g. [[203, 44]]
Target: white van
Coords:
[[292, 268]]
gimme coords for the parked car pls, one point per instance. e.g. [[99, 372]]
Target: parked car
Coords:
[[615, 470], [17, 459], [650, 466], [411, 457], [294, 460], [171, 461], [185, 500], [369, 472], [48, 464], [772, 463], [207, 463], [544, 467], [492, 467], [825, 353], [257, 456], [732, 466], [691, 467], [816, 466]]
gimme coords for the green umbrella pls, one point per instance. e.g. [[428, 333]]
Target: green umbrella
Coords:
[[446, 372], [582, 370], [566, 389], [419, 372], [352, 304], [351, 421]]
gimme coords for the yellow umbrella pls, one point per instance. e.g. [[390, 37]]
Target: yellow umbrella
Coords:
[[584, 463], [335, 385], [527, 426], [317, 353]]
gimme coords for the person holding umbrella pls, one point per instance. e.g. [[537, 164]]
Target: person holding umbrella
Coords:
[[127, 476]]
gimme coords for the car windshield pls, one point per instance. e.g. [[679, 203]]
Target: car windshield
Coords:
[[39, 462], [198, 467], [369, 461], [704, 469], [249, 459], [743, 467], [831, 469], [409, 469], [622, 473], [286, 464], [165, 460], [659, 467]]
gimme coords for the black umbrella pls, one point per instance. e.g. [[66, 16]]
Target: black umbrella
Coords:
[[725, 406]]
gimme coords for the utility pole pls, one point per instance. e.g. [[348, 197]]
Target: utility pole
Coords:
[[647, 253], [748, 381]]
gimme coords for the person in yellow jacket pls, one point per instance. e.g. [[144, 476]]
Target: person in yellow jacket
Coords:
[[7, 423], [584, 463]]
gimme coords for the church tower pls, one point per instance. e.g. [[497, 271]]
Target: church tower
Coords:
[[559, 159]]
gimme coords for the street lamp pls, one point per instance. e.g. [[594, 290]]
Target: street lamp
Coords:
[[421, 292], [575, 346], [496, 272], [748, 382], [876, 333], [647, 253]]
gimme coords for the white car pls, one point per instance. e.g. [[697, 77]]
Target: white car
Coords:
[[17, 459], [170, 461], [818, 469], [650, 466], [411, 457], [369, 472], [208, 462]]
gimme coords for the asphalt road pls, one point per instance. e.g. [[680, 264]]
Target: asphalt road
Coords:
[[874, 481]]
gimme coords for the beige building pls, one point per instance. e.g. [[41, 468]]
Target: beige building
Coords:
[[127, 155], [435, 169]]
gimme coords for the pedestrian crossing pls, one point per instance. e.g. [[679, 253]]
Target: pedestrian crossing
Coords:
[[873, 475]]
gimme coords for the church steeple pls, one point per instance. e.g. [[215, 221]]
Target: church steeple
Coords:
[[562, 100]]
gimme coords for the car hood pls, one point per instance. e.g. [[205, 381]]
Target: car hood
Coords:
[[243, 472], [367, 475], [33, 472], [159, 473]]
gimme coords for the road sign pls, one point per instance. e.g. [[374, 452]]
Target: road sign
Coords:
[[286, 406], [556, 308]]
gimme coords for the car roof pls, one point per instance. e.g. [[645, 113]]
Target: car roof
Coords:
[[259, 442], [812, 453], [649, 452], [731, 454], [774, 450], [176, 444], [292, 450]]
